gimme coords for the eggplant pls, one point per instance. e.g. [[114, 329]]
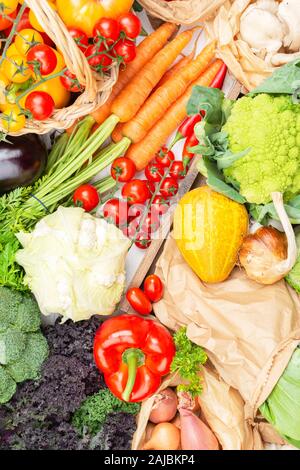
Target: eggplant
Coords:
[[22, 161]]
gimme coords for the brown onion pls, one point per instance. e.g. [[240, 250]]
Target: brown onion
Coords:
[[165, 407], [165, 436], [268, 255]]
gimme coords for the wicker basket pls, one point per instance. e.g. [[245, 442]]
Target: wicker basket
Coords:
[[97, 88], [182, 11]]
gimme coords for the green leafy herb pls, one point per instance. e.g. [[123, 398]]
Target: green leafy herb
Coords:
[[137, 7], [94, 411], [187, 362]]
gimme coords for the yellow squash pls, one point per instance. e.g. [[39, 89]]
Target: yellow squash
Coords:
[[209, 230]]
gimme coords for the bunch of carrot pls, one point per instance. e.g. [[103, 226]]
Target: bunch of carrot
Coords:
[[150, 98]]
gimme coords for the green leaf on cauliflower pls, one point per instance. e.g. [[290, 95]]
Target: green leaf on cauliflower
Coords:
[[293, 277], [285, 80]]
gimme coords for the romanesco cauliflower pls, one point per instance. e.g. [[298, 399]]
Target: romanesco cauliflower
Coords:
[[270, 128]]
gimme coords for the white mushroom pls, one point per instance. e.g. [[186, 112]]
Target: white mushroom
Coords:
[[261, 28], [289, 13]]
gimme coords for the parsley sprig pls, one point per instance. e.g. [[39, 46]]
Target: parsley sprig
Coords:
[[188, 361]]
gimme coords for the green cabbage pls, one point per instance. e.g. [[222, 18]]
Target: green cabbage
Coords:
[[282, 408], [74, 264]]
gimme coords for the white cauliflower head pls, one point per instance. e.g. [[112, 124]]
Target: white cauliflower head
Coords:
[[74, 264]]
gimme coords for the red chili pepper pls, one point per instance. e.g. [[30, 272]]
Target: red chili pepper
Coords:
[[220, 77], [187, 156], [134, 354]]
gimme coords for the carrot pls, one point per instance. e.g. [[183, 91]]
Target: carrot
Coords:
[[142, 153], [186, 59], [117, 133], [166, 95], [144, 52], [133, 96]]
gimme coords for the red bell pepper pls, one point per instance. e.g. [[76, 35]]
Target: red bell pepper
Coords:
[[134, 354]]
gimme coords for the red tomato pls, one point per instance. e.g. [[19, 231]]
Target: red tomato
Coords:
[[169, 187], [70, 82], [151, 186], [143, 241], [80, 38], [154, 172], [24, 22], [98, 57], [165, 157], [125, 50], [177, 170], [130, 25], [160, 205], [87, 197], [153, 288], [6, 21], [151, 223], [136, 192], [107, 28], [139, 301], [116, 211], [135, 211], [42, 59], [123, 169], [40, 104]]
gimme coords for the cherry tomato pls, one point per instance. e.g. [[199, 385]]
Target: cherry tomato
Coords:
[[135, 211], [40, 104], [165, 157], [16, 69], [8, 6], [139, 301], [26, 39], [151, 186], [177, 170], [42, 59], [136, 192], [125, 50], [169, 187], [116, 211], [160, 205], [130, 25], [12, 120], [153, 288], [23, 23], [143, 241], [123, 169], [6, 22], [107, 28], [87, 197], [154, 172], [80, 38], [98, 57], [70, 82], [151, 223]]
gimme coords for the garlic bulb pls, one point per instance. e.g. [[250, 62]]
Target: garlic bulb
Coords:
[[268, 254]]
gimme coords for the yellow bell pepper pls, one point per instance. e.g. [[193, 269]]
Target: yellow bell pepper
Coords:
[[85, 14]]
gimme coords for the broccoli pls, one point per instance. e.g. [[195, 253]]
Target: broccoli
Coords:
[[29, 365], [94, 411], [23, 348], [7, 386]]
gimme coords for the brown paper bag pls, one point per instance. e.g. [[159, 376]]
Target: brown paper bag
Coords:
[[223, 410], [248, 68], [249, 331], [182, 11]]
